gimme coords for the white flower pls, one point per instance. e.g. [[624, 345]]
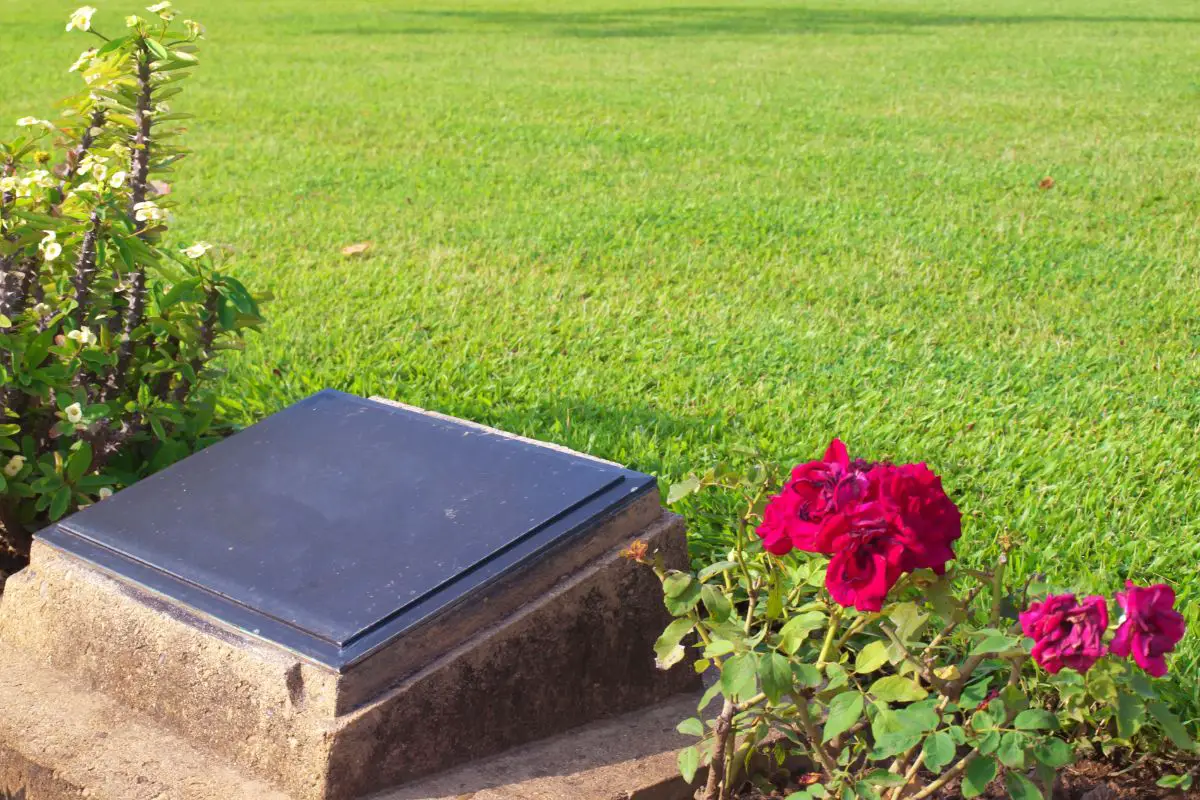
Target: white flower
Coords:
[[89, 163], [74, 413], [50, 248], [84, 336], [81, 19], [8, 184], [197, 250], [30, 122], [39, 177], [87, 186], [148, 211], [104, 493], [195, 29], [162, 9], [132, 21], [118, 179], [41, 309], [14, 465], [84, 59]]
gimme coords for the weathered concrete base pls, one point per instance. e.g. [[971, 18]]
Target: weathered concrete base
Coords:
[[59, 741], [578, 652]]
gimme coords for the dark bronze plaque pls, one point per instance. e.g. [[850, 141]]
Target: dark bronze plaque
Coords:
[[337, 524]]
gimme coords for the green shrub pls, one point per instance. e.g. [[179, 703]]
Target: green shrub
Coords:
[[106, 330]]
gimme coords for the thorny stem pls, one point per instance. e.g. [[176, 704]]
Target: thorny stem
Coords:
[[716, 766], [85, 268], [140, 172]]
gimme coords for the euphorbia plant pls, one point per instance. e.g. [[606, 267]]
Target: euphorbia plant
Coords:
[[841, 630], [105, 329]]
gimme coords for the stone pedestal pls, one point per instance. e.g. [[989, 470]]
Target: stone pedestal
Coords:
[[345, 597]]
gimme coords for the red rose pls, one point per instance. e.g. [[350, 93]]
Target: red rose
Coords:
[[869, 556], [928, 521], [1066, 632], [1150, 628], [815, 491]]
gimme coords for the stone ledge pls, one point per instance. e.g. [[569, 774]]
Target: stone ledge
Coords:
[[60, 741]]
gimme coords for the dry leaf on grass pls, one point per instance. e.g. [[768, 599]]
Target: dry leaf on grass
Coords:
[[356, 249], [1046, 183]]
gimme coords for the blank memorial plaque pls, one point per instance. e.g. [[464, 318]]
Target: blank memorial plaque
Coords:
[[337, 524]]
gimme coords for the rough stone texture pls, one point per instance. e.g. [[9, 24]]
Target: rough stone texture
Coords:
[[59, 741], [580, 651], [631, 757], [257, 704]]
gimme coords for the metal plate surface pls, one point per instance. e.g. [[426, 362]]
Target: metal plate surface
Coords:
[[337, 524]]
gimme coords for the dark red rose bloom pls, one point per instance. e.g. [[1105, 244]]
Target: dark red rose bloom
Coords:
[[878, 521], [1151, 626], [815, 491], [869, 556], [926, 519], [1066, 632]]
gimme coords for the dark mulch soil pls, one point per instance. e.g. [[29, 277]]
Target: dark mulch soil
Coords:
[[1086, 780]]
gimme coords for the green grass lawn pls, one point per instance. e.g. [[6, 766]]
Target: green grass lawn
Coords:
[[661, 231]]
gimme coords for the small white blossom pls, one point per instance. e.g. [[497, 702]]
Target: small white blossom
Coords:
[[195, 29], [148, 211], [132, 21], [84, 59], [104, 493], [14, 465], [8, 184], [31, 122], [87, 186], [42, 310], [118, 179], [81, 19], [163, 10], [74, 413], [197, 250], [39, 177], [52, 251], [84, 336]]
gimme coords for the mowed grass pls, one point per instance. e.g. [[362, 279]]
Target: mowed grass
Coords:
[[662, 231]]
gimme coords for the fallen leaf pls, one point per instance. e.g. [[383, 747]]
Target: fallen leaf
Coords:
[[1046, 183], [356, 249]]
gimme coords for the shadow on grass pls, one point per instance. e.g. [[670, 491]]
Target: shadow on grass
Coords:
[[738, 20]]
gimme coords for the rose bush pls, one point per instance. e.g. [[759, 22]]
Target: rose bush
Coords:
[[844, 632]]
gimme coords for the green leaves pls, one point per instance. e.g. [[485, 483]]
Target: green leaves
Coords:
[[1021, 788], [979, 773], [689, 762], [681, 593], [719, 607], [739, 676], [668, 648], [939, 750], [1171, 726], [897, 689], [871, 658], [1054, 753], [798, 628], [1131, 714], [1035, 719], [775, 674], [844, 710]]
